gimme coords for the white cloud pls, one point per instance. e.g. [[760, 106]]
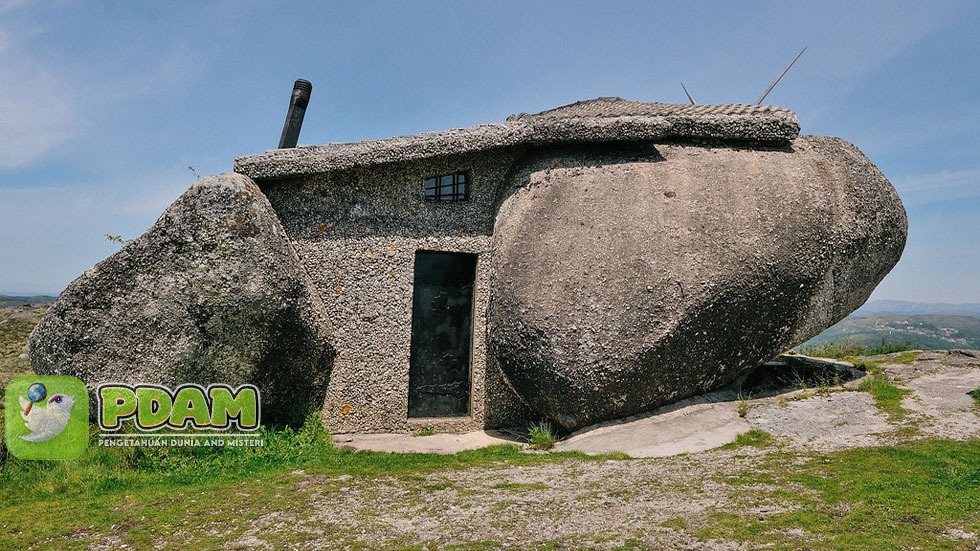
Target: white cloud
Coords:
[[49, 97], [37, 113], [939, 186], [38, 108]]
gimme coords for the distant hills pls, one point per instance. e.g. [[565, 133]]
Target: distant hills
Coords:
[[928, 332], [930, 326], [7, 300], [919, 308]]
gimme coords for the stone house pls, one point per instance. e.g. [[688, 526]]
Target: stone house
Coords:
[[397, 236]]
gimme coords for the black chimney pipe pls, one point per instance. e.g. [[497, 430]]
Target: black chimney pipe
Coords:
[[294, 117]]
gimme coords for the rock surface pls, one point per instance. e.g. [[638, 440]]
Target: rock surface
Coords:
[[627, 282], [213, 292]]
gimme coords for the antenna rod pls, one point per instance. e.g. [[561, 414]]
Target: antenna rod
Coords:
[[294, 117], [775, 82], [688, 94]]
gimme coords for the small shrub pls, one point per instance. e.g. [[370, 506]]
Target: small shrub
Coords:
[[541, 436], [424, 431], [313, 431], [743, 404], [827, 382]]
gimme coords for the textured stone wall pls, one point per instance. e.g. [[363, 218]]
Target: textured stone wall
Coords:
[[357, 231]]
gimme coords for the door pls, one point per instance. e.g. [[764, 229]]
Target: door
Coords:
[[442, 329]]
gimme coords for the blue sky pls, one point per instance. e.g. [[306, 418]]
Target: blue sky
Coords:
[[104, 105]]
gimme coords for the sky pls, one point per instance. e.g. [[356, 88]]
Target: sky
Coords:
[[105, 104]]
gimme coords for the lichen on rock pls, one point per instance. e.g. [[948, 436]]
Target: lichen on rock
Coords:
[[212, 293], [629, 280]]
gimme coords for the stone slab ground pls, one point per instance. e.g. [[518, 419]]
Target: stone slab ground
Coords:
[[825, 419]]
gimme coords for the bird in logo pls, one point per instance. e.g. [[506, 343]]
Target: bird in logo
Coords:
[[47, 422]]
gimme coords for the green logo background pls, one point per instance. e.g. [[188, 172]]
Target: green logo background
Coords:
[[70, 443]]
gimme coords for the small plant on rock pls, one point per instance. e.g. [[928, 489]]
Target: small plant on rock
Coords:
[[118, 239], [541, 436], [743, 404]]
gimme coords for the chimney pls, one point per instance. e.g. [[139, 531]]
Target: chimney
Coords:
[[294, 117]]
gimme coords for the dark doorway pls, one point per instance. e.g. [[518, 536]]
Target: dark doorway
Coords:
[[442, 326]]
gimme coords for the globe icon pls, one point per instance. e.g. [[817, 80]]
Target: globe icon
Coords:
[[37, 393]]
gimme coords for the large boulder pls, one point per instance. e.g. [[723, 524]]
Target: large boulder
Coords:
[[213, 292], [631, 280]]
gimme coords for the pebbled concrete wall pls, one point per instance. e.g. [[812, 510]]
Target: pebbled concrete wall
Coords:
[[357, 231]]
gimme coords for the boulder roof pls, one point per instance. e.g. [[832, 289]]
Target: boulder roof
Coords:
[[598, 120]]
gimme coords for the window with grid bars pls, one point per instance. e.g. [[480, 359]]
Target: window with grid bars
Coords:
[[451, 187]]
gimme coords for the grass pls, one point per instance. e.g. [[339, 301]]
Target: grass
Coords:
[[13, 342], [676, 523], [42, 501], [902, 497], [873, 367], [888, 397], [541, 436], [424, 431], [754, 438], [842, 350]]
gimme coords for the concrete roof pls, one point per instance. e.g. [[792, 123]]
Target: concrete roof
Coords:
[[597, 120]]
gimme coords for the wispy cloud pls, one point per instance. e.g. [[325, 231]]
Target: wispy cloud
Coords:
[[48, 97], [50, 235], [38, 108], [938, 186]]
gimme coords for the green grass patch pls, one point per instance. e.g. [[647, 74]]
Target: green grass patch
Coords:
[[754, 438], [147, 491], [676, 523], [541, 436], [888, 397], [902, 497]]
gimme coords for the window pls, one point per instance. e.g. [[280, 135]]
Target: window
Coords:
[[451, 187]]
